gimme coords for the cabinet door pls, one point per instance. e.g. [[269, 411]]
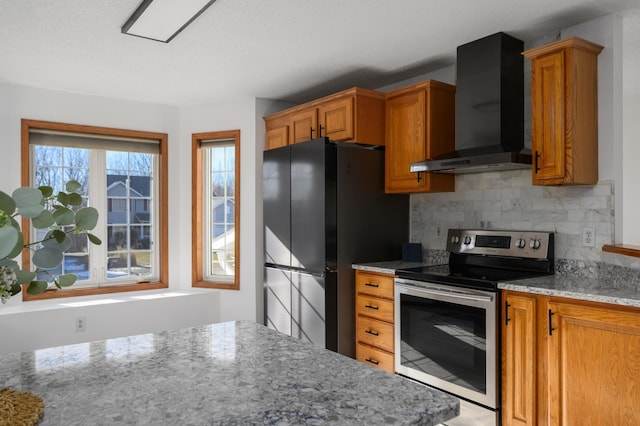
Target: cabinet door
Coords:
[[277, 137], [519, 360], [304, 125], [405, 140], [336, 119], [593, 356], [548, 118]]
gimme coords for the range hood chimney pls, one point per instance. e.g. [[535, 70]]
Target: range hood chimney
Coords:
[[489, 109]]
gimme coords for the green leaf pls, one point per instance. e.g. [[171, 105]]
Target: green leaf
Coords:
[[9, 237], [30, 211], [7, 204], [47, 191], [18, 247], [27, 197], [73, 186], [63, 198], [25, 276], [9, 262], [15, 289], [59, 235], [55, 243], [47, 257], [75, 199], [37, 287], [95, 240], [67, 280], [44, 220], [87, 218], [63, 216]]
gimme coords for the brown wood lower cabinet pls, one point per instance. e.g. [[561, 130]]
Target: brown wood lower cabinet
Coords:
[[374, 320], [568, 362]]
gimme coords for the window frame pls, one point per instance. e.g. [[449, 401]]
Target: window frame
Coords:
[[27, 126], [198, 227]]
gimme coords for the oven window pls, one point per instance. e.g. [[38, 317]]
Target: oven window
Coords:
[[444, 340]]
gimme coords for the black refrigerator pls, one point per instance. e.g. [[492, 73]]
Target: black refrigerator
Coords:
[[325, 209]]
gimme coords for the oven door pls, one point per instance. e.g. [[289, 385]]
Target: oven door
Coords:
[[445, 337]]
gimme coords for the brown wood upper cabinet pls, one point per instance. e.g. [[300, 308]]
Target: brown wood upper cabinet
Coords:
[[564, 100], [569, 362], [354, 115], [419, 125]]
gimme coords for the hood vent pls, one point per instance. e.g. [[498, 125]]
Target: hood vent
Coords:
[[489, 109]]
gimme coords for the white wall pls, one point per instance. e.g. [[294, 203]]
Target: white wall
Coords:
[[41, 324], [628, 194], [47, 321], [17, 102]]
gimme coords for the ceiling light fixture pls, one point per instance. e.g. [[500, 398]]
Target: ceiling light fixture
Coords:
[[162, 20]]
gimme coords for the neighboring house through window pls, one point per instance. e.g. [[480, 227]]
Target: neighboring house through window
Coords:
[[216, 216], [121, 173]]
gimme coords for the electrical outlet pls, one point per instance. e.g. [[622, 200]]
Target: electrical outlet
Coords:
[[588, 237], [81, 324]]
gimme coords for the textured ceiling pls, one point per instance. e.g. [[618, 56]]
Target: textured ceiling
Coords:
[[279, 49]]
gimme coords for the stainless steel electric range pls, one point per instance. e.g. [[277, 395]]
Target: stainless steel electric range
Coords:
[[447, 316]]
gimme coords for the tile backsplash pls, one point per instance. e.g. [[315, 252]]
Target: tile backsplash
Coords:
[[507, 200]]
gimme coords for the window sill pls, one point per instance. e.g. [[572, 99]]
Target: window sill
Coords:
[[56, 294], [93, 300], [624, 249]]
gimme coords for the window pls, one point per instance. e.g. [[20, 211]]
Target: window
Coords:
[[216, 213], [121, 176]]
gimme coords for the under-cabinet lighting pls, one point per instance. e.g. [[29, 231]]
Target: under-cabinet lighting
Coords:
[[162, 20]]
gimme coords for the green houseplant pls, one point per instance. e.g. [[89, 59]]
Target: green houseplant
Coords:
[[61, 216]]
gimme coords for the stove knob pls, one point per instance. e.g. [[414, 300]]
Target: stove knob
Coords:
[[455, 239], [467, 240], [520, 243], [534, 244]]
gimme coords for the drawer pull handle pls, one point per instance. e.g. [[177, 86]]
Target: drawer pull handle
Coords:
[[371, 332], [371, 307], [375, 285], [372, 361]]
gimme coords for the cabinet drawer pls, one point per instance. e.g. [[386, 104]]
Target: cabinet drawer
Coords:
[[375, 333], [375, 357], [375, 307], [374, 284]]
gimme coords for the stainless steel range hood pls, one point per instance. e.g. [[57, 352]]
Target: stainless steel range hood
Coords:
[[489, 109]]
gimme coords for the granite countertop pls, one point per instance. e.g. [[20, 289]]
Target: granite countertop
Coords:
[[575, 287], [388, 267], [228, 374]]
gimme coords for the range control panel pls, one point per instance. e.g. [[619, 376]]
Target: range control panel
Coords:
[[530, 244]]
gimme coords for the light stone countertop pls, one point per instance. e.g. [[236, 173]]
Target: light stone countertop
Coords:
[[575, 287], [234, 373], [388, 267]]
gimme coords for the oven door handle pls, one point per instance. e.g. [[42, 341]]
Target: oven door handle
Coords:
[[457, 294]]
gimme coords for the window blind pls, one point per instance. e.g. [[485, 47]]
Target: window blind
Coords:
[[93, 141]]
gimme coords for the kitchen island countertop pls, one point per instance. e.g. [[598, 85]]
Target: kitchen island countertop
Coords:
[[227, 373]]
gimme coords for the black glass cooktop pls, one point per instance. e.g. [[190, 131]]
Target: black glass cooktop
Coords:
[[466, 275]]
